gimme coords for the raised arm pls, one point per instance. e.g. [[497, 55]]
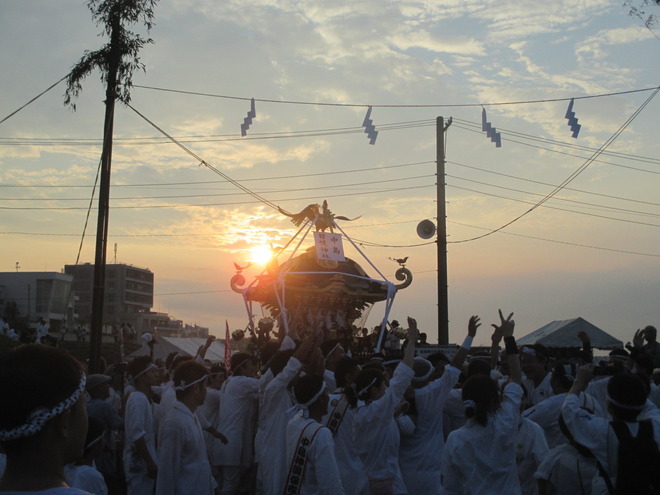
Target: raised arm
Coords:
[[413, 332], [462, 352], [506, 327]]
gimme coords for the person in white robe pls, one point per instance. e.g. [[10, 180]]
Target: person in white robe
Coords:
[[531, 449], [480, 456], [376, 432], [207, 413], [533, 359], [564, 471], [237, 421], [140, 459], [273, 417], [340, 421], [183, 464], [311, 466], [420, 453], [627, 398]]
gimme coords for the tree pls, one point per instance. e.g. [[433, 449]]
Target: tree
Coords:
[[116, 61], [639, 9]]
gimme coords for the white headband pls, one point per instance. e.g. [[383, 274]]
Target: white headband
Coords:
[[40, 416], [305, 407], [185, 385], [427, 374], [364, 390], [624, 406], [148, 368], [469, 404]]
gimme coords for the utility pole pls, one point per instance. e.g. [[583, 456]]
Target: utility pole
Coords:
[[96, 331], [441, 239]]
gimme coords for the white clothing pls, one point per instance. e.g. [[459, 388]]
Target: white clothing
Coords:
[[531, 449], [320, 475], [481, 459], [597, 388], [376, 432], [207, 414], [167, 401], [567, 472], [453, 412], [139, 423], [538, 393], [183, 465], [271, 433], [420, 453], [3, 464], [330, 382], [237, 421], [351, 469], [546, 415], [85, 478]]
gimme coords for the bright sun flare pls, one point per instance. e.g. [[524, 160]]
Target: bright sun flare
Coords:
[[260, 255]]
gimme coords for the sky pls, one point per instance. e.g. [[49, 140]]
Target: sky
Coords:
[[313, 68]]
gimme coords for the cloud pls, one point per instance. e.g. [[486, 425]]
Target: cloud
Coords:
[[594, 46]]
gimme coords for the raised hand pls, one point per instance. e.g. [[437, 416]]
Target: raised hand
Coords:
[[638, 339], [413, 332], [473, 324], [506, 325]]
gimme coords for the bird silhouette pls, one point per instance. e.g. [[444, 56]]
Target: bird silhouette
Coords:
[[241, 268], [400, 261]]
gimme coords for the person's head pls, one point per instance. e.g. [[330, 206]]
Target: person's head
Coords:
[[370, 385], [243, 364], [43, 404], [279, 361], [650, 334], [626, 395], [644, 365], [332, 353], [481, 397], [311, 395], [98, 386], [190, 383], [439, 360], [217, 376], [422, 338], [423, 371], [346, 371], [533, 361], [143, 371], [478, 367]]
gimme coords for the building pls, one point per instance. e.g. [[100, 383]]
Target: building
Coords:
[[34, 295], [128, 290]]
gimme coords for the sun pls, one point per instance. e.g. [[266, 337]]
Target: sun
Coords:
[[260, 255]]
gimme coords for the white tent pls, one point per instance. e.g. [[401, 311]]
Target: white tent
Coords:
[[563, 333], [184, 346]]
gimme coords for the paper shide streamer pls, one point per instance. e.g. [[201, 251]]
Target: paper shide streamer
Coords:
[[247, 121], [490, 131], [572, 120], [369, 127]]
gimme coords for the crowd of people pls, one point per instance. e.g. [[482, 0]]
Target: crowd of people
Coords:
[[310, 419]]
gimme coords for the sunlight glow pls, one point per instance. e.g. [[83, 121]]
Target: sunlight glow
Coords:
[[260, 255]]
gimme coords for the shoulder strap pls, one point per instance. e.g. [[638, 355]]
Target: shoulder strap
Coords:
[[337, 414], [297, 468]]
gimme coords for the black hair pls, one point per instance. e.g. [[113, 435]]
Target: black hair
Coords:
[[478, 367], [186, 373], [218, 368], [366, 380], [344, 366], [279, 361], [482, 390], [238, 361], [138, 365], [34, 376], [307, 387], [627, 390], [644, 364], [436, 357], [559, 375]]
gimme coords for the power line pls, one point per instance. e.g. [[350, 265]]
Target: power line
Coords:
[[33, 99], [365, 105], [574, 175]]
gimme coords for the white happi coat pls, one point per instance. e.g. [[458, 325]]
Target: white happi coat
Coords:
[[271, 432], [237, 421], [376, 432], [567, 472], [481, 459], [207, 414], [183, 465], [138, 423], [320, 475], [351, 469], [538, 393], [531, 449], [594, 433], [546, 415], [420, 453]]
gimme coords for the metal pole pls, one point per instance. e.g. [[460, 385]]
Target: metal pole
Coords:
[[441, 240]]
